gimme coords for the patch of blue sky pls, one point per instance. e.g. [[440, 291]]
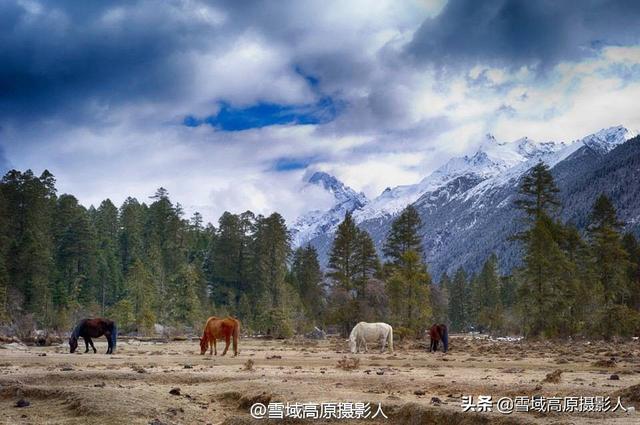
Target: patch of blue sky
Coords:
[[290, 164], [230, 118]]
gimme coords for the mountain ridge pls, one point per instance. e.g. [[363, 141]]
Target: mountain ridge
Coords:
[[453, 199]]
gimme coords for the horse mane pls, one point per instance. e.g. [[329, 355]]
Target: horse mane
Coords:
[[76, 331]]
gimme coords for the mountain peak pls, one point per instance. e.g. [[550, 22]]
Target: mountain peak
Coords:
[[606, 139], [316, 222], [339, 190], [322, 177]]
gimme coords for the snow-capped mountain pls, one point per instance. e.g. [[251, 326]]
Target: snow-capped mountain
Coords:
[[316, 222], [466, 205], [492, 159]]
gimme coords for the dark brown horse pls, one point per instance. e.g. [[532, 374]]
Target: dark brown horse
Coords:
[[94, 328], [439, 333], [216, 328]]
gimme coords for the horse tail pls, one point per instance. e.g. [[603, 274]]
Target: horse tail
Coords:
[[236, 334], [391, 338], [445, 338], [114, 336]]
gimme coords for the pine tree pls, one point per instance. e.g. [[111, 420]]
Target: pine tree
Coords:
[[540, 192], [440, 299], [458, 301], [632, 247], [611, 265], [30, 202], [365, 263], [486, 296], [408, 289], [5, 242], [109, 270], [307, 279], [130, 235], [186, 292], [75, 253], [404, 236], [271, 256], [342, 269], [547, 272], [141, 295]]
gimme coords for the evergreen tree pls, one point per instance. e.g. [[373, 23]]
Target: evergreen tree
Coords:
[[632, 247], [271, 256], [547, 273], [342, 269], [440, 299], [458, 302], [29, 260], [141, 295], [307, 279], [408, 290], [404, 236], [611, 264], [5, 242], [486, 296], [187, 290], [130, 235], [109, 270], [539, 192], [75, 254], [365, 263]]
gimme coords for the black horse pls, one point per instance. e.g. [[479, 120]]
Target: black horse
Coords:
[[94, 328]]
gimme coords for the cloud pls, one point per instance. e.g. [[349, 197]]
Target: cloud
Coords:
[[229, 103], [519, 32]]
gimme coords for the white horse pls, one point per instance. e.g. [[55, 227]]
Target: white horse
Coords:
[[365, 332]]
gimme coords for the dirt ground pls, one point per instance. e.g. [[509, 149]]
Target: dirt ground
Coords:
[[413, 386]]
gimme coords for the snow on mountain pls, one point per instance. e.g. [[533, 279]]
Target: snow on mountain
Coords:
[[315, 222], [492, 159], [552, 153], [607, 139], [493, 166], [467, 204]]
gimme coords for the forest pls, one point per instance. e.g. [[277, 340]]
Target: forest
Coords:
[[145, 263]]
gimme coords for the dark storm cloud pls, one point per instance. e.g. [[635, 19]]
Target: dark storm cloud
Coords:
[[63, 57], [524, 32]]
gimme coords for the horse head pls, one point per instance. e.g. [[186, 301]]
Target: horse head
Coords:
[[73, 344], [203, 345], [353, 346]]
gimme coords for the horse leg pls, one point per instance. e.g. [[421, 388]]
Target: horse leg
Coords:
[[86, 343], [93, 346], [215, 347], [109, 346], [383, 344], [227, 341]]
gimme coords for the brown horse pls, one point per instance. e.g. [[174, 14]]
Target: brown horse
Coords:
[[439, 333], [94, 328], [216, 328]]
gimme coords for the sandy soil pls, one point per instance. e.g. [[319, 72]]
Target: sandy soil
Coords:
[[133, 386]]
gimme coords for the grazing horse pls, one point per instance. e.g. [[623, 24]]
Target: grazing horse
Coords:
[[216, 328], [94, 328], [439, 333], [365, 332]]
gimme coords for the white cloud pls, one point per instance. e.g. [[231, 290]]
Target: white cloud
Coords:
[[400, 120]]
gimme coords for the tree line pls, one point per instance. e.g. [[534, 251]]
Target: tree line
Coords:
[[145, 263]]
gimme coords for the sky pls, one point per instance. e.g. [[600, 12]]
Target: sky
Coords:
[[230, 104]]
